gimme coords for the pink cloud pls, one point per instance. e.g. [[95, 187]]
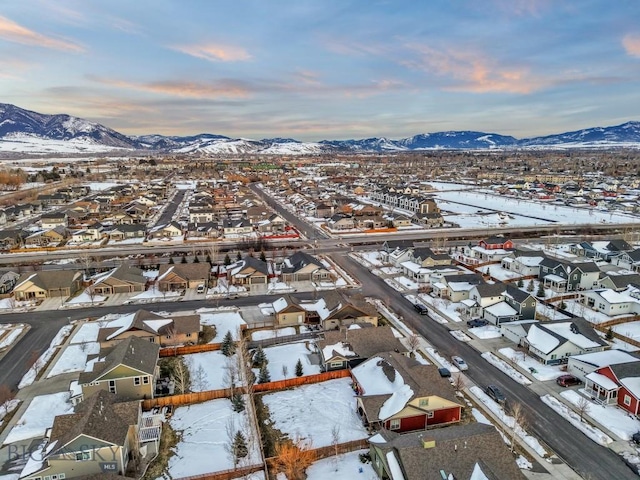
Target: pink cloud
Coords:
[[631, 44], [12, 32], [215, 52], [225, 88]]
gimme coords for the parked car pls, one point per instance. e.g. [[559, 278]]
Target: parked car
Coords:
[[460, 363], [494, 392], [635, 438], [568, 381], [200, 288], [421, 309], [444, 372], [477, 322]]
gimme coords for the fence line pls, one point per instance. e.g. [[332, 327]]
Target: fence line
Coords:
[[284, 339], [324, 452], [226, 474], [188, 349]]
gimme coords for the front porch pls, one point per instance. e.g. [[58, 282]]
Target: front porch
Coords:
[[601, 389]]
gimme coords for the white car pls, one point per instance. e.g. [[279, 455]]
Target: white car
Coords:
[[200, 288], [460, 363]]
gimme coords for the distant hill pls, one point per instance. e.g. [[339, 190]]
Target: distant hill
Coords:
[[31, 132]]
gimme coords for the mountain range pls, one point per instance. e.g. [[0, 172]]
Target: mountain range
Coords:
[[24, 131]]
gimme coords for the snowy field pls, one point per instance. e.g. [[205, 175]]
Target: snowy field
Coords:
[[631, 329], [11, 335], [74, 358], [588, 314], [39, 416], [203, 444], [343, 467], [450, 201], [85, 299], [573, 418], [508, 420], [224, 321], [486, 332], [287, 356], [499, 273], [612, 417], [213, 370], [506, 368], [310, 412], [279, 332], [541, 371]]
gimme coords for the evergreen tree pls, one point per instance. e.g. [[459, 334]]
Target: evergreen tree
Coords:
[[196, 259], [299, 370], [227, 259], [237, 402], [171, 262], [209, 259], [184, 259], [520, 283], [530, 286], [240, 449], [540, 292], [609, 334], [259, 358], [228, 348], [239, 256], [563, 305], [263, 257], [264, 376]]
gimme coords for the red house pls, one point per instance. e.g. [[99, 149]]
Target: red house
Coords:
[[616, 384], [398, 393], [495, 243]]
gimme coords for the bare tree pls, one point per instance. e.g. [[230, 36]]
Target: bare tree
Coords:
[[413, 342], [458, 382], [91, 291], [519, 421], [181, 375], [35, 361], [583, 406], [293, 458], [285, 371], [6, 395], [335, 442], [199, 380]]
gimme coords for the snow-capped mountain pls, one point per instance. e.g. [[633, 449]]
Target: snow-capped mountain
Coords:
[[24, 131], [22, 125]]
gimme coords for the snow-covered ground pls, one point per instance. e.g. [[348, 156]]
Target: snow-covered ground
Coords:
[[612, 417], [540, 371], [343, 467], [573, 418], [224, 321], [486, 332], [371, 258], [278, 332], [280, 356], [39, 416], [74, 358], [630, 330], [506, 368], [203, 444], [444, 306], [460, 335], [85, 299], [508, 420], [44, 358], [212, 375], [310, 412], [499, 273], [592, 316], [88, 332], [12, 335], [155, 295], [8, 407], [441, 360]]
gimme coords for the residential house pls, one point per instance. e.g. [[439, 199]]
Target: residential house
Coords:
[[496, 243], [52, 220], [604, 250], [628, 260], [46, 284], [98, 440], [43, 238], [122, 279], [582, 365], [524, 262], [236, 227], [475, 451], [348, 347], [456, 287], [341, 221], [152, 328], [565, 277], [616, 384], [618, 282], [203, 230], [127, 368], [127, 232], [398, 393], [170, 230], [249, 271], [10, 239], [554, 342], [302, 267], [180, 276], [8, 280], [611, 302]]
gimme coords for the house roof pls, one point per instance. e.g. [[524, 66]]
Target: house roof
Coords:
[[490, 289], [151, 323], [364, 342], [459, 450], [186, 271], [50, 279], [100, 417], [133, 352]]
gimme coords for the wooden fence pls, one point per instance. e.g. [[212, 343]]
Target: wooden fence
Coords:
[[188, 349], [619, 321], [324, 452], [199, 397], [226, 474]]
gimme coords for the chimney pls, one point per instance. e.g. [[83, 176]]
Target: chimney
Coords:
[[428, 443]]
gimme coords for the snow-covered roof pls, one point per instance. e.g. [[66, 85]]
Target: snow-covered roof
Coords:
[[477, 473], [396, 401], [280, 304], [501, 309], [632, 384], [564, 329], [604, 382], [340, 348], [612, 296], [606, 357], [373, 380], [530, 261], [460, 286], [394, 466], [555, 278], [541, 340]]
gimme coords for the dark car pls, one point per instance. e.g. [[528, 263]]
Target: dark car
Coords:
[[568, 381], [635, 438], [495, 393], [421, 309], [444, 372], [477, 322]]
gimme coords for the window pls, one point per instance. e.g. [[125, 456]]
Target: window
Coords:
[[61, 476], [168, 337], [627, 400], [82, 456], [112, 386], [423, 402], [145, 380], [394, 424], [152, 340], [188, 334], [336, 364], [429, 414], [136, 381]]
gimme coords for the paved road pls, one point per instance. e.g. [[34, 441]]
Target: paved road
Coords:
[[170, 210], [582, 454]]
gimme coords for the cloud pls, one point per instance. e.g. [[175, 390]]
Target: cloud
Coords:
[[631, 44], [215, 52], [522, 7], [472, 71], [222, 88], [12, 32]]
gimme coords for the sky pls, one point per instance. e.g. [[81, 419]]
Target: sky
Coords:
[[325, 69]]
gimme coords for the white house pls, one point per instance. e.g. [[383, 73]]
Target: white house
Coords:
[[554, 342], [610, 302]]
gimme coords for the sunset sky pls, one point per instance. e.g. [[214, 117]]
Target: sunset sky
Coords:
[[319, 69]]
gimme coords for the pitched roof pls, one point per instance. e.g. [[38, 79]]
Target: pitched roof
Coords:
[[50, 279], [187, 271], [100, 417], [457, 451], [133, 352], [364, 342]]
